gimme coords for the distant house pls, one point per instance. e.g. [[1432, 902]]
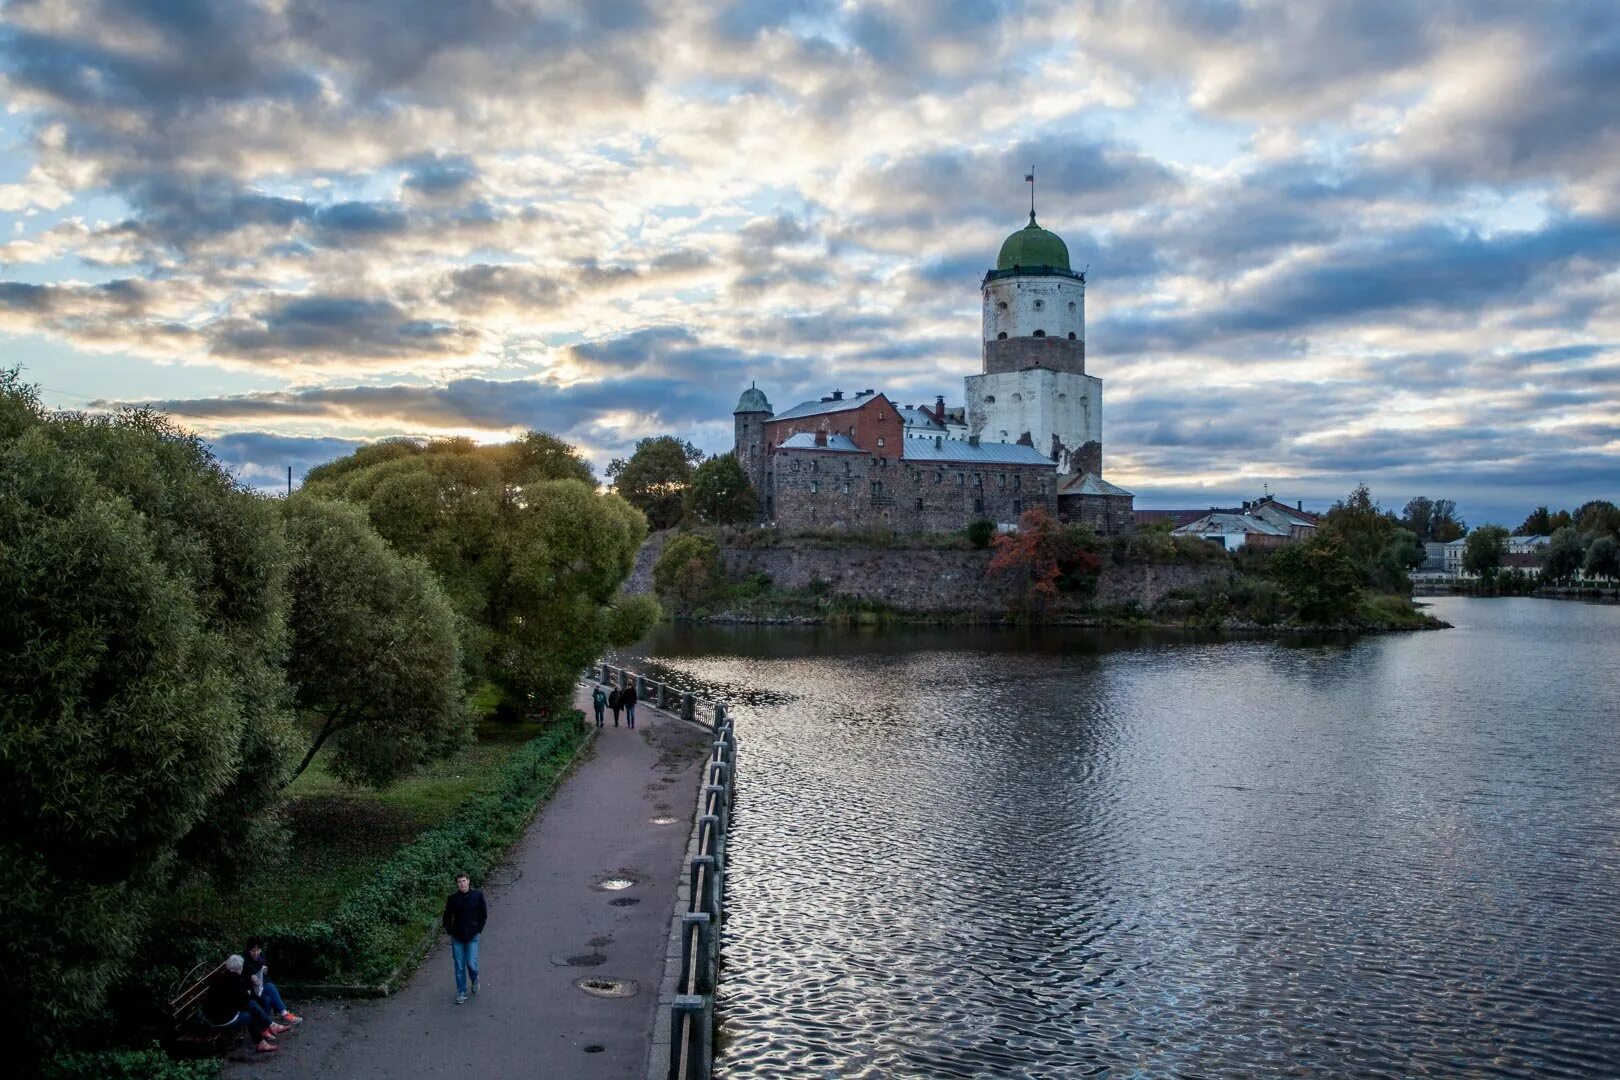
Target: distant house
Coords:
[[1526, 545], [1525, 562], [1454, 557], [1263, 523], [1233, 531], [1434, 558]]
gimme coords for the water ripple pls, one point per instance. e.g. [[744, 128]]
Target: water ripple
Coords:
[[974, 855]]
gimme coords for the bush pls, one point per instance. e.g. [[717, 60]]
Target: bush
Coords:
[[687, 572], [358, 944], [150, 1064], [1319, 578], [142, 719], [981, 532]]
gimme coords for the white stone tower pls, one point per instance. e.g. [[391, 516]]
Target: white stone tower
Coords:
[[1034, 387]]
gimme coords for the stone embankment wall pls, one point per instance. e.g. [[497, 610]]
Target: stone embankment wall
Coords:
[[925, 580]]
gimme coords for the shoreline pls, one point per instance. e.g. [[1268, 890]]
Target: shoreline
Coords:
[[1068, 621]]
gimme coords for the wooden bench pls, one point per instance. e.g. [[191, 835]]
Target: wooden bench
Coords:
[[191, 1028]]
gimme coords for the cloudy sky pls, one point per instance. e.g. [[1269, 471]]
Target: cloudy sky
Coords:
[[1327, 242]]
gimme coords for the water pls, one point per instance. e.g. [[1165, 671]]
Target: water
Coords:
[[985, 854]]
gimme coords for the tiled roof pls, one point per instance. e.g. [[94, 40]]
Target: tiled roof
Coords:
[[1090, 484], [942, 449], [806, 440], [1231, 524], [920, 418], [821, 408]]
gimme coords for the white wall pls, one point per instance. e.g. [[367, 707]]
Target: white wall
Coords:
[[1019, 306], [1001, 407]]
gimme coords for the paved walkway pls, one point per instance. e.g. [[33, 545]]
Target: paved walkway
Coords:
[[529, 1019]]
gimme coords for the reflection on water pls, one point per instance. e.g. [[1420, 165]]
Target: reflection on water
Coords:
[[986, 854]]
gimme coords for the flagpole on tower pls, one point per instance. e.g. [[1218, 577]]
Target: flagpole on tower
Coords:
[[1030, 176]]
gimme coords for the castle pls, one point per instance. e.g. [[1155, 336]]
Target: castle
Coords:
[[1030, 434]]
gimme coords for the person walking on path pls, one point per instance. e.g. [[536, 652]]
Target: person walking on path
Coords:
[[598, 702], [629, 699], [464, 916], [615, 702]]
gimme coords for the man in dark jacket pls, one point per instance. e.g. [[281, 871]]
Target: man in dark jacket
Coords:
[[629, 700], [615, 702], [464, 916]]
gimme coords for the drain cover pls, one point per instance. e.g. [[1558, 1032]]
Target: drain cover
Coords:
[[590, 959], [625, 901], [614, 884], [665, 820], [607, 988], [594, 1049]]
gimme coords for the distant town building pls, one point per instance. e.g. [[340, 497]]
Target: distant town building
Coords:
[[1526, 545], [1029, 435], [1263, 523]]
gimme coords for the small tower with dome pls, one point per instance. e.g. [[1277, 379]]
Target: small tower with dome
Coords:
[[749, 417], [1033, 387]]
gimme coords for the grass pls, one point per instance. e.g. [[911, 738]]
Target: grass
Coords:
[[339, 836]]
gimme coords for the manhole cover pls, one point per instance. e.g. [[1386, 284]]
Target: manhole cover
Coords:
[[607, 988], [590, 959], [594, 1049], [664, 820], [625, 901]]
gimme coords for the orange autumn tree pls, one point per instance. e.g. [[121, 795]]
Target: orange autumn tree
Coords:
[[1045, 557]]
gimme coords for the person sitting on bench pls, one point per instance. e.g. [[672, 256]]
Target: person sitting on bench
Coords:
[[256, 970], [226, 1004]]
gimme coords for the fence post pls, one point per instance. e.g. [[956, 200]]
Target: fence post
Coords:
[[663, 696], [700, 1008], [700, 959], [688, 707], [704, 866]]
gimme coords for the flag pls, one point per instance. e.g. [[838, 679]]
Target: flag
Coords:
[[1030, 178]]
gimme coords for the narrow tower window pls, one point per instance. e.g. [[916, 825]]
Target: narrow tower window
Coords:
[[1040, 333], [1002, 336], [1071, 335]]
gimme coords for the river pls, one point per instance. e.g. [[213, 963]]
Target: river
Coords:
[[982, 853]]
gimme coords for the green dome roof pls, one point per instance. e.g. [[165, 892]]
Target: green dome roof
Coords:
[[1032, 247], [752, 400]]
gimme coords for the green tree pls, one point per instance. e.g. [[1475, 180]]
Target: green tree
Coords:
[[981, 532], [1599, 517], [375, 662], [1538, 523], [143, 719], [1482, 554], [1603, 558], [530, 555], [1417, 516], [721, 494], [655, 478], [687, 572], [1320, 579], [1561, 559], [1045, 558], [1444, 524]]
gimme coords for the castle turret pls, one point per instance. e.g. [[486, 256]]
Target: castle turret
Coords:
[[748, 441], [1034, 388]]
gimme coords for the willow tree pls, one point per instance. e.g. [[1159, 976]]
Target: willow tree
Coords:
[[530, 554], [143, 721], [375, 661]]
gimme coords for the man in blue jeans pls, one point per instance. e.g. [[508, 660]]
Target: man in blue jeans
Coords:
[[464, 916]]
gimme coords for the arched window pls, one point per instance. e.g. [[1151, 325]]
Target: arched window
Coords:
[[1002, 306], [1040, 333], [1071, 305], [1071, 335], [989, 399], [1018, 397], [1039, 304], [1002, 336]]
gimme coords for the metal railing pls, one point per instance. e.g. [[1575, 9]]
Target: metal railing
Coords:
[[683, 703], [691, 1044]]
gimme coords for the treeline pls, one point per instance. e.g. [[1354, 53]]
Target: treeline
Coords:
[[1584, 543], [669, 480], [177, 649]]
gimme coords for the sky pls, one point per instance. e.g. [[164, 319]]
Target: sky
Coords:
[[1326, 243]]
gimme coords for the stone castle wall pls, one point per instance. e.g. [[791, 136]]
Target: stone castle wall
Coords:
[[925, 581]]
